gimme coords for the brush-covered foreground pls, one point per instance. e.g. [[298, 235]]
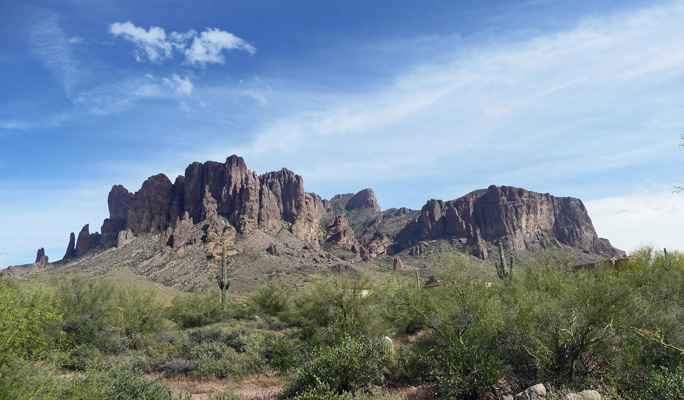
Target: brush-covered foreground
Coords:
[[618, 331]]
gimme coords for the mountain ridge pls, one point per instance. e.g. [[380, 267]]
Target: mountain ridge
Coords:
[[219, 205]]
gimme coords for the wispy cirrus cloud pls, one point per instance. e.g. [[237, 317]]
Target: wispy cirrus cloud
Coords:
[[119, 96], [199, 49], [55, 50], [577, 104]]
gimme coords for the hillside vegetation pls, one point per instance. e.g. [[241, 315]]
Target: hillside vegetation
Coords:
[[473, 337]]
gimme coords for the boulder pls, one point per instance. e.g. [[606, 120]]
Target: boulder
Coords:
[[584, 395], [535, 392]]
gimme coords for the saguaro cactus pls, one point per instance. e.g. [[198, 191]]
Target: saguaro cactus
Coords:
[[501, 270], [223, 281]]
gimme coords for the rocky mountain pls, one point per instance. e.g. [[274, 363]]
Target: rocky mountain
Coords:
[[172, 232]]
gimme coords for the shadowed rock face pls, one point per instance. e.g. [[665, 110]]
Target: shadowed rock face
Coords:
[[363, 199], [248, 201], [516, 216]]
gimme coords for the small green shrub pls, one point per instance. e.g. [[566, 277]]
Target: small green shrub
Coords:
[[464, 373], [353, 364], [194, 310], [283, 355], [178, 366]]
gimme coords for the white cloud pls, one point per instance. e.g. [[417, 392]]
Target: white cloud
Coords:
[[151, 43], [208, 47], [198, 49], [641, 218], [571, 106], [14, 125], [181, 86], [120, 96], [50, 43]]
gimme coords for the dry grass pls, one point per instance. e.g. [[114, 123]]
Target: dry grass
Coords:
[[260, 386]]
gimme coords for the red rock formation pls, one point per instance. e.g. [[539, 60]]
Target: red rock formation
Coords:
[[124, 237], [212, 188], [71, 247], [339, 232], [516, 216], [363, 199], [83, 243], [41, 258]]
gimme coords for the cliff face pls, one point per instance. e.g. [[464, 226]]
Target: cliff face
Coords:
[[516, 216], [248, 201], [520, 219]]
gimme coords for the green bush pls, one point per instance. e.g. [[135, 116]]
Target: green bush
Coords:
[[270, 300], [463, 373], [110, 317], [194, 310], [659, 383], [351, 365], [26, 316], [283, 355]]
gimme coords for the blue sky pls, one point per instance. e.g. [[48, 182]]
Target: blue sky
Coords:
[[414, 99]]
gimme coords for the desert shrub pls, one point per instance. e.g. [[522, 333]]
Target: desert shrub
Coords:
[[26, 316], [410, 366], [658, 383], [21, 379], [270, 300], [111, 318], [194, 310], [463, 373], [563, 325], [216, 360], [116, 384], [283, 355], [178, 366], [321, 392], [81, 357], [351, 365], [329, 309]]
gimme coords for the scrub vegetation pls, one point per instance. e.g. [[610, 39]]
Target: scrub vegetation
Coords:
[[620, 331]]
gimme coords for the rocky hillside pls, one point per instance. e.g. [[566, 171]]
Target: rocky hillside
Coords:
[[174, 233]]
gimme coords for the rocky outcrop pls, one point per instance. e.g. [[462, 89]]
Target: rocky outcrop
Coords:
[[339, 232], [71, 247], [273, 249], [397, 264], [83, 242], [41, 258], [516, 216], [181, 234], [268, 202], [124, 238], [363, 199]]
